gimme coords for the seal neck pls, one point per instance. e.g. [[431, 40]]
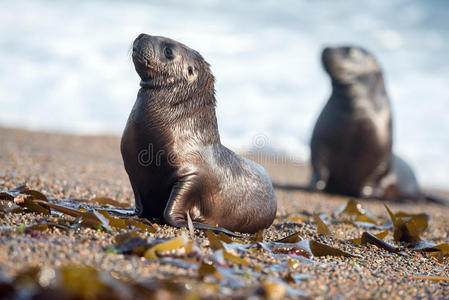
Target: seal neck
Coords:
[[171, 109], [154, 83], [369, 87], [147, 84]]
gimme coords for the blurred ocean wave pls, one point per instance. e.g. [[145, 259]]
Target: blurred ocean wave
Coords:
[[66, 66]]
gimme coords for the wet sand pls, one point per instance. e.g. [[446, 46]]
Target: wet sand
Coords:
[[83, 167]]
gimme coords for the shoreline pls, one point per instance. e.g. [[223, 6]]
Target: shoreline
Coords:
[[269, 159]]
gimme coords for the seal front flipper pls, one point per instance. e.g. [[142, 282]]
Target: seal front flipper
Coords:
[[181, 201]]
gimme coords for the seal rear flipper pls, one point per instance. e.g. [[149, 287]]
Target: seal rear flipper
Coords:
[[434, 199], [179, 204]]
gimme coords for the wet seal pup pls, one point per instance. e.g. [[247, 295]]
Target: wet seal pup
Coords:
[[171, 148], [351, 146]]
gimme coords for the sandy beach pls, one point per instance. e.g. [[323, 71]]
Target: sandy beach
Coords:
[[84, 167]]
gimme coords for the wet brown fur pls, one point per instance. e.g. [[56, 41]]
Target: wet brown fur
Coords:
[[188, 170]]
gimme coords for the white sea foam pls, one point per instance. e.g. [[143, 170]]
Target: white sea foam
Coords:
[[66, 66]]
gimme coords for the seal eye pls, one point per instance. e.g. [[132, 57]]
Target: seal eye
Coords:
[[168, 53], [190, 69]]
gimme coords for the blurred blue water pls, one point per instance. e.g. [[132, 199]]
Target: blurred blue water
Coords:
[[65, 66]]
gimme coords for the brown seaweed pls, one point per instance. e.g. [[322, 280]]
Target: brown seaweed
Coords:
[[109, 201], [381, 236], [431, 278], [23, 197], [368, 238], [353, 211], [408, 227], [322, 228]]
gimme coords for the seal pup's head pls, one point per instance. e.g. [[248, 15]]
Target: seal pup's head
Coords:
[[349, 64], [163, 63]]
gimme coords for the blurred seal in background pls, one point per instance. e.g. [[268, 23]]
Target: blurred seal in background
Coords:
[[351, 146]]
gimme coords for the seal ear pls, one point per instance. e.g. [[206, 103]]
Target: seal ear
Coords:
[[190, 73]]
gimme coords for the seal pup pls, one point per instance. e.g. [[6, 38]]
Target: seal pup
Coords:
[[172, 152], [351, 143], [351, 146]]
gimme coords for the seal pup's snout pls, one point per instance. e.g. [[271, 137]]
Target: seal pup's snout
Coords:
[[143, 51], [326, 57], [326, 51], [143, 37], [144, 57], [143, 44]]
